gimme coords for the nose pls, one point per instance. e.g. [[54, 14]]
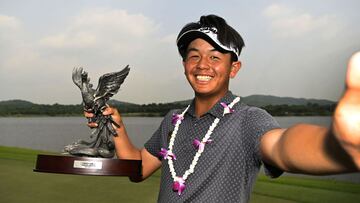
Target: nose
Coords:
[[202, 63]]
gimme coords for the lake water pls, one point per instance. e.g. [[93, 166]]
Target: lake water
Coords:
[[53, 133]]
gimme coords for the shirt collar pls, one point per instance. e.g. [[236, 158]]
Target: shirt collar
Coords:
[[217, 110]]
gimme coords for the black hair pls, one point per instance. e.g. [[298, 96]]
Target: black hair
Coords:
[[226, 34]]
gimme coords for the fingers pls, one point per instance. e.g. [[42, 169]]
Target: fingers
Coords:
[[353, 72], [89, 116], [115, 116], [108, 111], [92, 125]]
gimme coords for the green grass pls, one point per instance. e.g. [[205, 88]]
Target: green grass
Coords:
[[307, 190], [18, 183]]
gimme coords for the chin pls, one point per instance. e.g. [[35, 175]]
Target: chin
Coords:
[[204, 93]]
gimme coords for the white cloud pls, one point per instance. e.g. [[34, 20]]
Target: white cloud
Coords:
[[9, 22], [115, 20], [10, 29], [80, 40], [103, 27], [12, 43], [38, 52], [100, 40], [171, 39], [291, 23]]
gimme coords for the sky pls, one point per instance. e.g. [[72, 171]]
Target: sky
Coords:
[[294, 48]]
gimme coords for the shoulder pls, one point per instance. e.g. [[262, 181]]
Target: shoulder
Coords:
[[172, 112], [167, 120], [256, 119]]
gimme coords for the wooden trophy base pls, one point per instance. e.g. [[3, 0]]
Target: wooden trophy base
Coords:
[[88, 166]]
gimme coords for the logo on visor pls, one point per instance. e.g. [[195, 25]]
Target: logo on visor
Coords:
[[208, 30]]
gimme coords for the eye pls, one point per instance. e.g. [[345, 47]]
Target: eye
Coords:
[[214, 58], [193, 57]]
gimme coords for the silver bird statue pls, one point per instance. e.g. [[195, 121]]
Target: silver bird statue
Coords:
[[94, 101]]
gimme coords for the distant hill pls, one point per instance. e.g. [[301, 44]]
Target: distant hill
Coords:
[[16, 102], [113, 102], [25, 108], [265, 100], [275, 105]]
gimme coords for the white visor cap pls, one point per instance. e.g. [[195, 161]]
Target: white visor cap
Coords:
[[207, 33]]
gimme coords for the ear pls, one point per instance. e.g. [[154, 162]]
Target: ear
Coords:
[[235, 67]]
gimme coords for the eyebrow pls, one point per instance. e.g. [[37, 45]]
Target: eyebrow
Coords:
[[191, 49], [195, 49]]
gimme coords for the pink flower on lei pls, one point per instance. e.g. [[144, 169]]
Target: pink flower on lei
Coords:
[[179, 185], [200, 145], [227, 109], [165, 154], [176, 117]]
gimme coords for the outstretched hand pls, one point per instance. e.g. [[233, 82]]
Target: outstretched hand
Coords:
[[346, 124]]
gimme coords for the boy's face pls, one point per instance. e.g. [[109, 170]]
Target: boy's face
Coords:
[[208, 70]]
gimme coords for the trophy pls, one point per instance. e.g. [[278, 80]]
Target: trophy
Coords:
[[94, 157]]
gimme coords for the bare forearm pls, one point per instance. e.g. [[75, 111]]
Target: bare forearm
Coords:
[[124, 148], [310, 149]]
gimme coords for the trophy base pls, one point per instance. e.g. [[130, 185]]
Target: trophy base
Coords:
[[88, 166]]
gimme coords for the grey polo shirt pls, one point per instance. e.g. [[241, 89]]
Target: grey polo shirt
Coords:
[[227, 169]]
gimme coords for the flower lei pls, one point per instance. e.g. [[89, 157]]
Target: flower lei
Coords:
[[179, 182]]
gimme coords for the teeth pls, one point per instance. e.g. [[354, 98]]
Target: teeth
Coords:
[[203, 77]]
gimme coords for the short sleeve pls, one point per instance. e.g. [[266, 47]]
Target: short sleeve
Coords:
[[261, 122], [160, 137], [153, 144]]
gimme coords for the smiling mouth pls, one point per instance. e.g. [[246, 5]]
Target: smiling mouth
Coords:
[[203, 78]]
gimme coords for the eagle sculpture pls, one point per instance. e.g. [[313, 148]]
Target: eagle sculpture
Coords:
[[94, 101]]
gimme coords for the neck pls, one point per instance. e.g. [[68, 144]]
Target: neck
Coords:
[[203, 103]]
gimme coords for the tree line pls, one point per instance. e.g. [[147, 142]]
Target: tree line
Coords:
[[310, 109], [23, 108]]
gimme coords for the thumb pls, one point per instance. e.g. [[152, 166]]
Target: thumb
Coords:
[[353, 72]]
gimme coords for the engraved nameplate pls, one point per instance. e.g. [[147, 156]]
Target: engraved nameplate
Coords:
[[88, 164]]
